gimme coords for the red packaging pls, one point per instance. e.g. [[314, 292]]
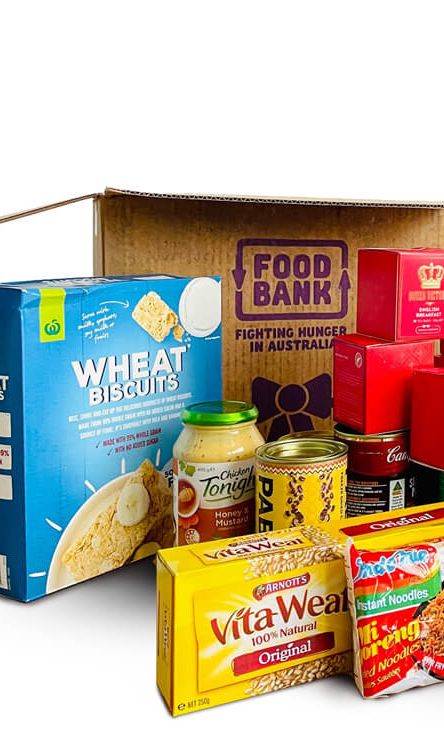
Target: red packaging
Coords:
[[400, 293], [427, 432], [379, 476], [372, 382], [381, 455]]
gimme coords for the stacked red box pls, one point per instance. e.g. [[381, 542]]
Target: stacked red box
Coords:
[[400, 294], [427, 431], [372, 381], [400, 314]]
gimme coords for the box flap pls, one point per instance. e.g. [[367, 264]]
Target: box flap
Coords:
[[43, 208], [276, 199]]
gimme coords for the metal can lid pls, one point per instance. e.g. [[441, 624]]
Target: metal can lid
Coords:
[[348, 435], [314, 434], [301, 451], [219, 413]]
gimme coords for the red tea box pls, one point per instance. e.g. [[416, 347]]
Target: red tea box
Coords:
[[401, 293], [427, 435], [372, 381]]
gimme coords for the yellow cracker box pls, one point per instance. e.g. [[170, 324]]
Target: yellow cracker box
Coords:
[[249, 615]]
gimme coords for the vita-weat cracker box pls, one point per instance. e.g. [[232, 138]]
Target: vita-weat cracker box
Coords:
[[250, 615], [94, 375]]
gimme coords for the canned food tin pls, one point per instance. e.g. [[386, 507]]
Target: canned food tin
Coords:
[[300, 481], [379, 476], [376, 455], [314, 434]]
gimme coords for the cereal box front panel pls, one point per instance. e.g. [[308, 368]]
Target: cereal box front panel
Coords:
[[107, 371]]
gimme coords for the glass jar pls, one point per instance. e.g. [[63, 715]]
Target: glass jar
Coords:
[[214, 471]]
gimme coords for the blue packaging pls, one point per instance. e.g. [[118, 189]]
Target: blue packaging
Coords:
[[94, 375]]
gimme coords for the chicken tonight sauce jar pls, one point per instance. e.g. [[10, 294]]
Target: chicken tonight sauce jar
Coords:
[[214, 471]]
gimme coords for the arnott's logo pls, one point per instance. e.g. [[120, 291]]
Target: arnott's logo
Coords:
[[275, 587]]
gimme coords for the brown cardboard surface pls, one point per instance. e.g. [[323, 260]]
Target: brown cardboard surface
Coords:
[[204, 235]]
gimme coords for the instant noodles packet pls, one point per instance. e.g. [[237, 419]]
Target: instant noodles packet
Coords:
[[395, 573]]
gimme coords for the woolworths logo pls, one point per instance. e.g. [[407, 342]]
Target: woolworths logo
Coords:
[[52, 314]]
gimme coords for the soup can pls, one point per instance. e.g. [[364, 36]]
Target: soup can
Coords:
[[380, 477], [300, 481], [313, 434]]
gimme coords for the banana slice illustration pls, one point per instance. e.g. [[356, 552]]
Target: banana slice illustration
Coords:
[[133, 504]]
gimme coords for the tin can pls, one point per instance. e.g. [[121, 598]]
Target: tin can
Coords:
[[300, 481], [314, 434], [379, 475]]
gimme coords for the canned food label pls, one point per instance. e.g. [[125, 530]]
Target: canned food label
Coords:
[[293, 495], [397, 494], [366, 496], [213, 500]]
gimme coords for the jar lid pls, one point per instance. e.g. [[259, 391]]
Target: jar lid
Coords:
[[219, 413]]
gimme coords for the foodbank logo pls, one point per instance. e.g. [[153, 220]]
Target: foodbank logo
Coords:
[[291, 279], [52, 328]]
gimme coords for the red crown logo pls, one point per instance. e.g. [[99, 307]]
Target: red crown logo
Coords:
[[430, 276]]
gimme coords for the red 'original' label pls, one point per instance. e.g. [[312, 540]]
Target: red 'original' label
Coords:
[[283, 653]]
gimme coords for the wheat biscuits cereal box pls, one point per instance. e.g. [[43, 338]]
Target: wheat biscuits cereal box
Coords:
[[94, 376]]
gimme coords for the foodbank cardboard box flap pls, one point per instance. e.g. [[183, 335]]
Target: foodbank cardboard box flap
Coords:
[[289, 280], [94, 375]]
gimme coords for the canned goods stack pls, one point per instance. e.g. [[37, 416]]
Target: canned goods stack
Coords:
[[400, 315]]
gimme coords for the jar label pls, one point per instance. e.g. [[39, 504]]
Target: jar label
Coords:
[[213, 500]]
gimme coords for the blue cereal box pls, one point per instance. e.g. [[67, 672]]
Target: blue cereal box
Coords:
[[94, 375]]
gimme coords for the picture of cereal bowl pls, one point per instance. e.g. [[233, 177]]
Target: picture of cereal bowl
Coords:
[[200, 307], [59, 575]]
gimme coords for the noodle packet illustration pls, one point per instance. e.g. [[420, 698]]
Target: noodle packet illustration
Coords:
[[397, 608]]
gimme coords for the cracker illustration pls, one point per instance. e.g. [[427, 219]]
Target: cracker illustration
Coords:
[[178, 332], [155, 316]]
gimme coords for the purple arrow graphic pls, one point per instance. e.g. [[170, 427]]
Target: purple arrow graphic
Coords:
[[239, 273], [344, 286]]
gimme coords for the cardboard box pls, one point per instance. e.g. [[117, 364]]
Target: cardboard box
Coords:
[[427, 432], [250, 615], [372, 382], [400, 294], [277, 337], [94, 375]]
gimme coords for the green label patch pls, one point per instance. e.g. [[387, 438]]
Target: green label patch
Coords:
[[52, 314]]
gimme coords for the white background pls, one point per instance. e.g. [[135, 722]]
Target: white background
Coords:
[[314, 98]]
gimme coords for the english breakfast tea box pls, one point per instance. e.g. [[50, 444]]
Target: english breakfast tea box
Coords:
[[94, 375]]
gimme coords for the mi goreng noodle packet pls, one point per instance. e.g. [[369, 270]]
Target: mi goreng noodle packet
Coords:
[[397, 605]]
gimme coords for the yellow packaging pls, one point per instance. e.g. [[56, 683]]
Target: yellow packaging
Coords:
[[300, 481], [248, 615]]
